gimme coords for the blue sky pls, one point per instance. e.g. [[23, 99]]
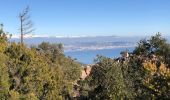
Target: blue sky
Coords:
[[90, 17]]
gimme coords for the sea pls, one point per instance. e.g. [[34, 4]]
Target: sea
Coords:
[[88, 56], [85, 49]]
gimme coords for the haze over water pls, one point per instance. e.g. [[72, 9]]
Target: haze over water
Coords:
[[85, 49]]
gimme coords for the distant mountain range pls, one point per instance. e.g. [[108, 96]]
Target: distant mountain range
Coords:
[[79, 43]]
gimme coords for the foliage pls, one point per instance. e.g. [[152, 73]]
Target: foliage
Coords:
[[146, 75], [158, 80], [4, 77], [41, 72], [3, 39], [107, 80], [155, 45], [153, 54]]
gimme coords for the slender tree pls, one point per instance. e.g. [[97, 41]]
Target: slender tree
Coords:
[[26, 25]]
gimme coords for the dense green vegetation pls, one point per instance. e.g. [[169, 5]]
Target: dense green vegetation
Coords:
[[34, 73], [144, 75], [44, 73]]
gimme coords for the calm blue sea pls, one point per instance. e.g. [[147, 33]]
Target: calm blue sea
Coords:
[[88, 56]]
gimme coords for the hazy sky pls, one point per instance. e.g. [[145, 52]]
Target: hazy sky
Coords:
[[90, 17]]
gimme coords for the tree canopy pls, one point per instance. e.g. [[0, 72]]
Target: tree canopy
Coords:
[[145, 75], [33, 73]]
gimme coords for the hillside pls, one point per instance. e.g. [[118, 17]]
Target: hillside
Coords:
[[43, 72], [35, 73]]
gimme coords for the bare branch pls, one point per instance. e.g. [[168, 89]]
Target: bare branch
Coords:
[[30, 31]]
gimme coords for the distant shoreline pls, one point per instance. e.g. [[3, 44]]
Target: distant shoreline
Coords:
[[100, 48]]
